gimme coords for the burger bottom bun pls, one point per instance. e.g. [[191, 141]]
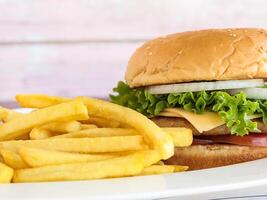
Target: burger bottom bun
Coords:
[[208, 156]]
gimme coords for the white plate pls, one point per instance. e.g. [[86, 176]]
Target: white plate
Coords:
[[183, 185]]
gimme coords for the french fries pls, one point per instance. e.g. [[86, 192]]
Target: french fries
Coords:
[[40, 157], [99, 132], [102, 122], [82, 139], [7, 114], [158, 169], [6, 173], [151, 157], [63, 127], [82, 145], [73, 110], [12, 159], [156, 137], [40, 133], [116, 167], [53, 129], [163, 169], [38, 100], [182, 137], [87, 126]]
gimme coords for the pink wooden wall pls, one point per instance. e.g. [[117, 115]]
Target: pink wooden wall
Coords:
[[74, 47]]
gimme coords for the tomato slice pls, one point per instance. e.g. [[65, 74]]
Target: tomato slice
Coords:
[[253, 139]]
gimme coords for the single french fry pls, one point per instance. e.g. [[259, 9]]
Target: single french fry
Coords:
[[116, 167], [63, 127], [182, 137], [88, 126], [180, 168], [40, 157], [163, 169], [151, 157], [13, 159], [73, 110], [7, 114], [98, 132], [82, 145], [158, 169], [6, 173], [154, 135], [40, 133], [39, 100], [102, 122]]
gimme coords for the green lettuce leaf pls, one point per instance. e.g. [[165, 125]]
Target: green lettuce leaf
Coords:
[[234, 109]]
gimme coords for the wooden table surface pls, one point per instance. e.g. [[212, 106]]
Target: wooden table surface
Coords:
[[81, 47]]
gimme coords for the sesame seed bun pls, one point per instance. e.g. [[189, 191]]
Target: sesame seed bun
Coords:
[[205, 55]]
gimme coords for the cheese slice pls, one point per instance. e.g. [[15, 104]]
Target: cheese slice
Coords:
[[202, 122]]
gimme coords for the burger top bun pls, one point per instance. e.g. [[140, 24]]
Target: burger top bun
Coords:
[[205, 55]]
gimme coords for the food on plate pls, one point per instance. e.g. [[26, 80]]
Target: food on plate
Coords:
[[63, 127], [129, 165], [163, 169], [57, 141], [182, 137], [82, 145], [102, 122], [55, 128], [13, 159], [40, 157], [210, 81], [87, 126], [38, 100], [40, 133], [7, 114], [73, 110], [6, 173], [156, 138]]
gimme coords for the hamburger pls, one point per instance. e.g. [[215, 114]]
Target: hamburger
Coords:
[[211, 81]]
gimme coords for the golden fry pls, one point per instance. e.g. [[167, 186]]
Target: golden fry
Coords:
[[99, 132], [40, 133], [182, 137], [88, 126], [116, 167], [38, 100], [163, 169], [63, 127], [7, 114], [6, 173], [158, 169], [40, 157], [155, 136], [180, 168], [13, 159], [151, 157], [102, 122], [73, 110], [82, 145]]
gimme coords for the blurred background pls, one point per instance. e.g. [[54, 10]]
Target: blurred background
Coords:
[[81, 47]]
